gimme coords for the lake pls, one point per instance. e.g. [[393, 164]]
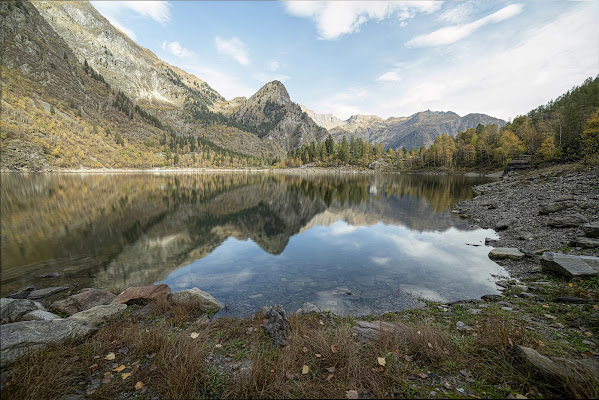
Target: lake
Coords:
[[351, 243]]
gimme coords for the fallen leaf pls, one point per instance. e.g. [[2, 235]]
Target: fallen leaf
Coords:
[[430, 346], [305, 369], [110, 356], [107, 373], [408, 358], [126, 375], [423, 375], [250, 330], [330, 376], [509, 340], [321, 322], [218, 345], [135, 369], [570, 284], [194, 335], [447, 385], [331, 369], [334, 348], [318, 355], [520, 396], [596, 307], [381, 360], [418, 332], [305, 349], [545, 305], [588, 333], [139, 385], [93, 367], [119, 368], [587, 354], [351, 394]]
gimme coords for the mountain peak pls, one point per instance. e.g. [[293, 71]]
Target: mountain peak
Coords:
[[273, 91]]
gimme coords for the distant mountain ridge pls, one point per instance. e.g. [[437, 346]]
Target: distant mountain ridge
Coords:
[[419, 129]]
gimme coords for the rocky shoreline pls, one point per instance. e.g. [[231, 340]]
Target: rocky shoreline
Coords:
[[540, 332]]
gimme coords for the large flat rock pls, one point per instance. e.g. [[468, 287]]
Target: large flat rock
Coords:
[[570, 266], [85, 300], [99, 314], [196, 298], [19, 338], [502, 253]]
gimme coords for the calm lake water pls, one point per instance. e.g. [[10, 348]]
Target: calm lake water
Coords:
[[249, 239]]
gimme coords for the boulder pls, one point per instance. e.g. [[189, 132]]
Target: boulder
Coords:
[[13, 309], [85, 300], [504, 224], [569, 266], [143, 294], [196, 298], [39, 315], [371, 330], [583, 372], [566, 221], [492, 297], [276, 327], [591, 230], [99, 314], [549, 208], [585, 243], [19, 338], [502, 253], [43, 293], [21, 293]]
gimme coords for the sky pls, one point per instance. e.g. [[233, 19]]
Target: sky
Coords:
[[501, 58]]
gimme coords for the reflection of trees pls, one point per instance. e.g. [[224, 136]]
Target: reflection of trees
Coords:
[[88, 220]]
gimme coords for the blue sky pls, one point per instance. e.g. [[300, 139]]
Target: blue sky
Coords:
[[501, 58]]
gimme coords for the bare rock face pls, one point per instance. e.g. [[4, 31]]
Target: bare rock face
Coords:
[[371, 330], [19, 338], [99, 314], [276, 327], [83, 301], [143, 294], [196, 298]]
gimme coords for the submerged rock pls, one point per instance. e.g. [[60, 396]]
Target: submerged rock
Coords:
[[22, 293], [19, 338], [196, 298], [99, 314], [143, 294], [85, 300], [276, 327]]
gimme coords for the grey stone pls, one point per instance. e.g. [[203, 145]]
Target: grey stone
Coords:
[[12, 311], [39, 315], [563, 370], [591, 230], [556, 206], [502, 253], [196, 298], [309, 308], [526, 295], [570, 299], [85, 300], [42, 293], [566, 221], [585, 243], [19, 338], [276, 328], [504, 224], [492, 297], [568, 265], [462, 326], [371, 330], [99, 314], [22, 293]]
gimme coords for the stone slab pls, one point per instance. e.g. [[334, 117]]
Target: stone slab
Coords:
[[570, 266], [502, 253]]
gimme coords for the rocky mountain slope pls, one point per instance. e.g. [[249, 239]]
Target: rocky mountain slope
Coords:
[[327, 121], [414, 131]]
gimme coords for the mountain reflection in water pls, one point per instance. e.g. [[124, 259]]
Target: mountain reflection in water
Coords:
[[249, 239]]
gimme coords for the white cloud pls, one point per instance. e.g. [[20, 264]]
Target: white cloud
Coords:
[[452, 34], [157, 10], [337, 18], [229, 86], [390, 76], [341, 228], [274, 65], [455, 14], [234, 48], [340, 104], [176, 49], [547, 62]]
